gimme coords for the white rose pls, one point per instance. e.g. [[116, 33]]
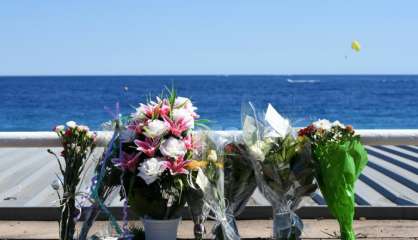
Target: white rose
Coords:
[[338, 124], [155, 128], [173, 147], [71, 124], [186, 115], [150, 170], [323, 124], [257, 152], [260, 148]]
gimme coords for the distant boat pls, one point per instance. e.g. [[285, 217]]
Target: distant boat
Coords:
[[303, 81]]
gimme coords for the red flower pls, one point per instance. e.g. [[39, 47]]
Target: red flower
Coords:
[[231, 148], [68, 132], [309, 130]]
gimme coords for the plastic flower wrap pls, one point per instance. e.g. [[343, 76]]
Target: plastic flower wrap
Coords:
[[105, 182], [282, 165], [221, 163], [239, 180], [339, 159], [210, 180]]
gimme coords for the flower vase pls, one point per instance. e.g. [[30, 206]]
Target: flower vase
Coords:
[[161, 229]]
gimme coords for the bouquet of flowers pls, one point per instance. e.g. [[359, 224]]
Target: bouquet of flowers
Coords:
[[239, 181], [339, 159], [282, 165], [215, 178], [155, 149], [78, 144]]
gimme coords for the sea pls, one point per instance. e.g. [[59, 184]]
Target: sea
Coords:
[[38, 103]]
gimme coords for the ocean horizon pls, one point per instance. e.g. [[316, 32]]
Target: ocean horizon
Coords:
[[38, 103]]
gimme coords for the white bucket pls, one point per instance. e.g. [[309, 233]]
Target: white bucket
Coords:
[[161, 229]]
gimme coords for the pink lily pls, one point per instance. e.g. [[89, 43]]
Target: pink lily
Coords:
[[188, 141], [164, 109], [176, 127], [177, 166], [148, 109], [149, 146], [137, 126], [127, 161]]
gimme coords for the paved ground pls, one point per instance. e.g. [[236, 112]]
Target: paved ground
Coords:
[[249, 229]]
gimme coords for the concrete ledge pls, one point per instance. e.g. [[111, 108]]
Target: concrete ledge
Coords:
[[250, 213], [50, 139], [254, 229]]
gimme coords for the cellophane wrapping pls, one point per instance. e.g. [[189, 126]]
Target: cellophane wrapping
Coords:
[[339, 159], [282, 165], [225, 181]]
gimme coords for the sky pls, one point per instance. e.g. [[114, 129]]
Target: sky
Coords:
[[135, 37]]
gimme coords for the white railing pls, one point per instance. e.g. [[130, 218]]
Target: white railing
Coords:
[[50, 139]]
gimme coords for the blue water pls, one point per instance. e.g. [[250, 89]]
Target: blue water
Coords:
[[39, 103]]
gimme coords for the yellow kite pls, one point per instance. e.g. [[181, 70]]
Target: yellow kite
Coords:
[[355, 45]]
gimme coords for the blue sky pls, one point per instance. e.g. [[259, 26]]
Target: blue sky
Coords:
[[52, 37]]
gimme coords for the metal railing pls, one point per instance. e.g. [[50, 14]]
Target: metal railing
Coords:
[[50, 139]]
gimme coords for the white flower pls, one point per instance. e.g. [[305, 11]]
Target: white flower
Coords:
[[150, 169], [71, 124], [91, 135], [59, 128], [183, 102], [323, 124], [186, 115], [82, 128], [260, 148], [338, 124], [155, 128], [212, 156], [77, 149], [141, 112], [257, 152], [173, 147]]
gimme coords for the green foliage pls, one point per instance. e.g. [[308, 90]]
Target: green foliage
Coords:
[[162, 199], [282, 163]]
